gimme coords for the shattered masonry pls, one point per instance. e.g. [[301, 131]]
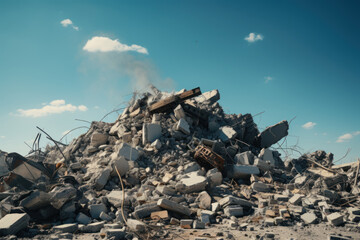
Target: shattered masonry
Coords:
[[183, 163]]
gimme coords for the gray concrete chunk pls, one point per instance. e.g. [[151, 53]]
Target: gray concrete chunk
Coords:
[[128, 152], [173, 206], [183, 126], [273, 134], [244, 158], [66, 228], [234, 210], [226, 133], [151, 132], [242, 171], [136, 225], [13, 223], [309, 218]]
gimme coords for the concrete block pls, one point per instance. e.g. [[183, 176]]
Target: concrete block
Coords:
[[281, 198], [179, 112], [120, 163], [102, 178], [242, 171], [191, 167], [60, 195], [335, 219], [183, 126], [192, 183], [173, 206], [215, 207], [309, 218], [13, 223], [128, 152], [151, 132], [66, 228], [115, 198], [98, 139], [174, 221], [96, 209], [145, 210], [234, 210], [115, 234], [231, 200], [136, 225], [226, 133], [269, 222], [160, 215], [204, 200], [198, 224], [244, 158], [267, 156], [37, 199], [105, 217], [296, 199], [262, 165], [214, 177], [186, 223], [210, 97], [260, 187], [93, 227], [83, 219], [273, 134], [156, 144], [165, 190]]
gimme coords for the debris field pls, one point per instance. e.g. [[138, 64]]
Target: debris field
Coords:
[[168, 164]]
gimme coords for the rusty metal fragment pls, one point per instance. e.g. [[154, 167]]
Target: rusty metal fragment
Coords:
[[208, 158], [170, 103]]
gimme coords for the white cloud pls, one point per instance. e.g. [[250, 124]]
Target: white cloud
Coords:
[[55, 107], [309, 125], [2, 137], [104, 44], [347, 137], [253, 37], [268, 79], [67, 22]]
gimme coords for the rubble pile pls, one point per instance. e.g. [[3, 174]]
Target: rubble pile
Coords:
[[173, 161]]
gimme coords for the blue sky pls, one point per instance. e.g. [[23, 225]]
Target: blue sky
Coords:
[[67, 60]]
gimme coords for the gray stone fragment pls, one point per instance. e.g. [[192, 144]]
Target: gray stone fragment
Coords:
[[231, 200], [273, 134], [115, 197], [309, 218], [13, 223], [198, 224], [102, 178], [234, 210], [83, 219], [260, 187], [115, 234], [296, 199], [136, 225], [120, 163], [179, 112], [335, 219], [226, 133], [36, 200], [204, 200], [128, 152], [60, 195], [104, 216], [151, 132], [145, 210], [210, 97], [186, 223], [66, 228], [96, 209], [267, 156], [193, 183], [242, 171], [262, 165], [93, 227], [244, 158], [98, 139], [173, 206], [183, 126], [214, 177]]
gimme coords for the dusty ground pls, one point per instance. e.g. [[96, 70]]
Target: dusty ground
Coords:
[[316, 231]]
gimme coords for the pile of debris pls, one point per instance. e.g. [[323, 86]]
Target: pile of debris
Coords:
[[172, 161]]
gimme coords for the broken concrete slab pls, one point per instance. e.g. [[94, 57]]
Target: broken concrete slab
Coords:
[[183, 126], [204, 200], [66, 228], [96, 209], [231, 200], [101, 179], [260, 187], [115, 198], [60, 195], [198, 225], [267, 156], [214, 177], [273, 134], [242, 171], [262, 165], [92, 227], [296, 199], [35, 200], [116, 234], [309, 218], [226, 133], [192, 183], [151, 132], [210, 97], [244, 158], [186, 223], [234, 210], [128, 152], [173, 206], [13, 223], [145, 210], [98, 139], [335, 219], [136, 225], [179, 112], [83, 219]]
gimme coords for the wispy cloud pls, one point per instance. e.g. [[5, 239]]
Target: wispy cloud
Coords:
[[105, 44], [347, 137], [55, 107], [308, 125], [2, 137], [268, 79], [67, 22], [253, 37]]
